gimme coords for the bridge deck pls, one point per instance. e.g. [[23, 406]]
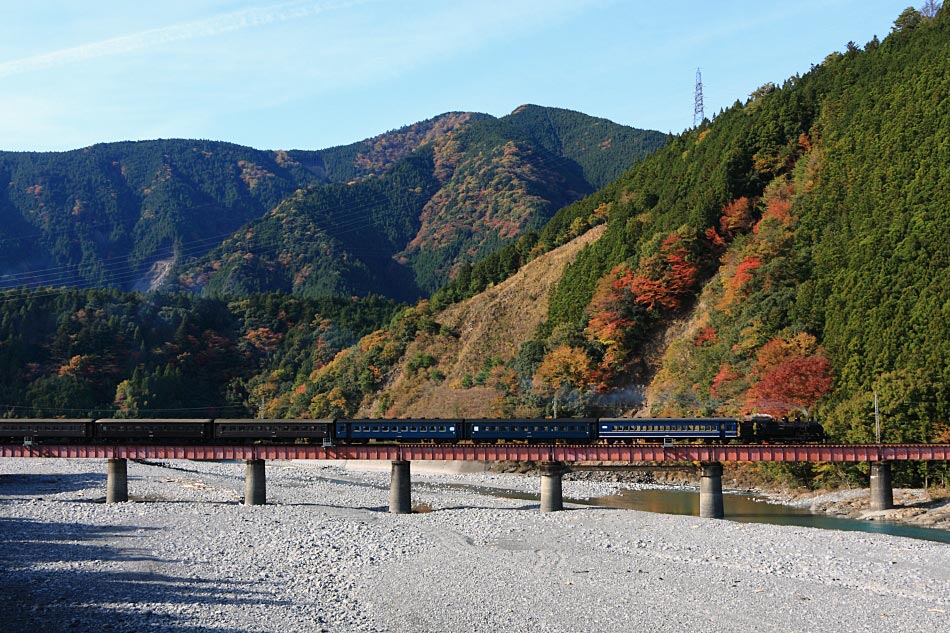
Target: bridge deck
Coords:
[[497, 452]]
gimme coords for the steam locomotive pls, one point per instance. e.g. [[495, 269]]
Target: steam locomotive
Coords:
[[758, 428]]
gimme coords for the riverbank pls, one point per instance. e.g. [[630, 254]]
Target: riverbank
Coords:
[[187, 556], [912, 506]]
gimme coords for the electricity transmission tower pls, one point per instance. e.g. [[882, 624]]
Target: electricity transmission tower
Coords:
[[698, 114]]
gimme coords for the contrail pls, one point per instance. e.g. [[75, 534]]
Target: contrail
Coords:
[[235, 21]]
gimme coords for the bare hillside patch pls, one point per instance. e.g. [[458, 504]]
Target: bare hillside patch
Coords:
[[491, 325]]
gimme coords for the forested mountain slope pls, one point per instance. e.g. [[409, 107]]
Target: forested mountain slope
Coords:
[[462, 369], [100, 216], [99, 353], [143, 215], [103, 215], [407, 228], [802, 234]]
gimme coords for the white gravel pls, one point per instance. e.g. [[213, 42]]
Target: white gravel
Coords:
[[186, 556]]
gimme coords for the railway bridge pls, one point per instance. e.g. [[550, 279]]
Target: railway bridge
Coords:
[[553, 461]]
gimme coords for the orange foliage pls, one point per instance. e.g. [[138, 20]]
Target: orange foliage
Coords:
[[77, 365], [791, 375], [608, 314], [736, 216], [778, 351], [714, 238], [744, 271], [804, 142], [263, 339], [676, 281], [732, 287], [778, 206], [780, 210], [941, 433], [722, 384], [623, 298], [792, 384], [563, 366], [706, 335]]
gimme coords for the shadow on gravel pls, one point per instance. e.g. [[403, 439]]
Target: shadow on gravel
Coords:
[[34, 485], [58, 577], [334, 507], [529, 506]]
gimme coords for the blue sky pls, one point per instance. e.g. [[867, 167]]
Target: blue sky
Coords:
[[310, 74]]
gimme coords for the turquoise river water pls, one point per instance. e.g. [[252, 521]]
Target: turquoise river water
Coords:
[[746, 509]]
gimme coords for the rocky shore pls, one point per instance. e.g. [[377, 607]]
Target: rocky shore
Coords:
[[912, 506], [324, 555]]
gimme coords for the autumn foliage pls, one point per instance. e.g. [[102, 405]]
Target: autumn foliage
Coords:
[[627, 302], [792, 375], [562, 370], [736, 216]]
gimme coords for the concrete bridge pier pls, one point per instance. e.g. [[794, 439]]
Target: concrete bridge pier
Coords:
[[551, 497], [255, 483], [710, 490], [400, 488], [117, 481], [882, 493]]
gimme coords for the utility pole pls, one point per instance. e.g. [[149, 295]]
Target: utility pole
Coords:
[[698, 114], [877, 420]]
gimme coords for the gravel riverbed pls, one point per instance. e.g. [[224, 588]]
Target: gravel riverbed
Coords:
[[324, 555]]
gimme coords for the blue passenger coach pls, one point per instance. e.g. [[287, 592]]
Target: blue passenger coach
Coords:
[[579, 430], [668, 428], [402, 430]]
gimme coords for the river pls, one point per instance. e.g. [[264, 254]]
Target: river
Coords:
[[744, 508]]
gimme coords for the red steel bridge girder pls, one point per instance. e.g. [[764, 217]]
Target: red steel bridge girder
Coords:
[[498, 452]]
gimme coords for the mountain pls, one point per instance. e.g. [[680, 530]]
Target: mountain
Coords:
[[91, 353], [788, 257], [101, 216], [371, 157], [405, 228], [327, 240], [122, 215], [394, 214]]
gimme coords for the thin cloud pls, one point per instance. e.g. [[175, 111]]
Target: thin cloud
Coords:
[[210, 27]]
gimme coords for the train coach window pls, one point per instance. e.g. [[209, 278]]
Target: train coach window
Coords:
[[441, 429], [404, 428]]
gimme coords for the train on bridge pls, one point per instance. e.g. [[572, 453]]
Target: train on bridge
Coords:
[[331, 432]]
